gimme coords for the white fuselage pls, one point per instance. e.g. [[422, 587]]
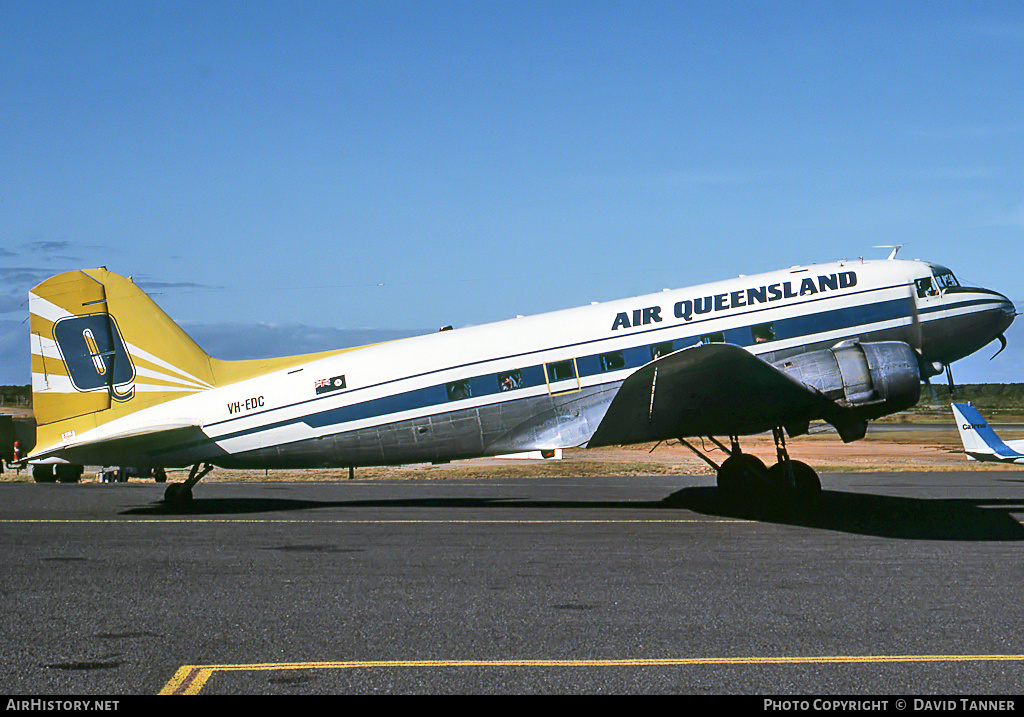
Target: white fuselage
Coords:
[[543, 381]]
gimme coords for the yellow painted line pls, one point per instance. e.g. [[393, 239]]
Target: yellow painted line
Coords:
[[190, 679]]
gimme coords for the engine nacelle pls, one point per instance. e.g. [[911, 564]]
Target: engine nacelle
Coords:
[[865, 380]]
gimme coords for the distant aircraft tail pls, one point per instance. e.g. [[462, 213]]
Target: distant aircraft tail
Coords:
[[980, 442], [102, 349]]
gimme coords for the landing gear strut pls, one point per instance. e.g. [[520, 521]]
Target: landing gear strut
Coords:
[[744, 479], [794, 479], [178, 494]]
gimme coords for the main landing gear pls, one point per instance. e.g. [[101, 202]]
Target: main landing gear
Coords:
[[180, 494], [743, 478]]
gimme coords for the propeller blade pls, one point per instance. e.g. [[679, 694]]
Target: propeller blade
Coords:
[[1002, 345]]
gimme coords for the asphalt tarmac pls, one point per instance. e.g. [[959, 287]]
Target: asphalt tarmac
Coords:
[[901, 584]]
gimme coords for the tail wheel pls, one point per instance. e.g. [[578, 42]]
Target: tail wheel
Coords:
[[178, 494]]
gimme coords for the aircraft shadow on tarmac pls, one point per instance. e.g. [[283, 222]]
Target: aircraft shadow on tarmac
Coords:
[[954, 519], [856, 513]]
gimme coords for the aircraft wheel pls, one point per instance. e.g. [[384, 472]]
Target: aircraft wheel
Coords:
[[43, 473], [807, 486], [739, 477], [68, 473], [160, 475], [177, 494]]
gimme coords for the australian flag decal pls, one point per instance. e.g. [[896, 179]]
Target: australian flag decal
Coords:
[[326, 385]]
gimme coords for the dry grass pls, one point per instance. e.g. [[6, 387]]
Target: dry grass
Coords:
[[894, 449]]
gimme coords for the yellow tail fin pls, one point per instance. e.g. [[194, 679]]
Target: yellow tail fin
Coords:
[[102, 349]]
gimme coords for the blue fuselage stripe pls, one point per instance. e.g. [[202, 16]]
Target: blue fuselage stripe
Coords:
[[485, 385], [858, 317]]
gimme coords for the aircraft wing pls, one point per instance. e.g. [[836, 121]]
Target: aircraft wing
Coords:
[[712, 389], [980, 442]]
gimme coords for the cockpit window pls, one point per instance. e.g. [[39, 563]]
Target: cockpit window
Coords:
[[946, 280], [925, 288], [940, 280]]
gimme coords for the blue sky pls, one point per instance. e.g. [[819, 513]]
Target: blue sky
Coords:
[[325, 169]]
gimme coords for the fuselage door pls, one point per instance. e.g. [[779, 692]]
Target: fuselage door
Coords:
[[562, 376]]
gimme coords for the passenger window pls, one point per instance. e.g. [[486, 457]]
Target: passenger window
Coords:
[[561, 371], [763, 332], [716, 338], [510, 380], [613, 361], [458, 390], [662, 349]]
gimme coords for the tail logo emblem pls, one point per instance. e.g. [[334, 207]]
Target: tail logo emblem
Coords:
[[95, 355], [94, 351]]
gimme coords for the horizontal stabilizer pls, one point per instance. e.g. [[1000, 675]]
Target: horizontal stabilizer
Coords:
[[160, 446]]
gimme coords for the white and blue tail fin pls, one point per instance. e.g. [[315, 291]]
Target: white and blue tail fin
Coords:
[[980, 442]]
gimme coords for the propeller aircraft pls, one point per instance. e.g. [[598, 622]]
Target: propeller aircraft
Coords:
[[117, 382]]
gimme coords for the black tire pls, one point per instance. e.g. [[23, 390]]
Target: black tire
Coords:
[[740, 477], [68, 473], [43, 473], [806, 491], [808, 484], [178, 494]]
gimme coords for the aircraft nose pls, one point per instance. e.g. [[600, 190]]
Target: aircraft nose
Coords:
[[991, 315], [1005, 312], [995, 320]]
